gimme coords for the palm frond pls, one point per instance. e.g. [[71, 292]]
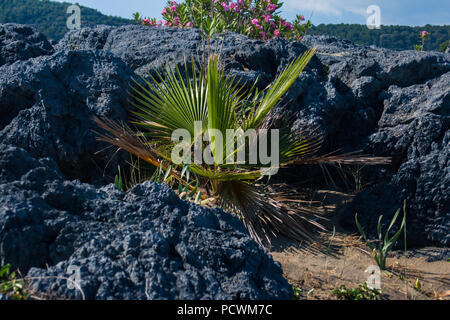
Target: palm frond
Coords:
[[124, 138], [263, 216], [172, 102], [279, 87], [296, 145], [350, 158]]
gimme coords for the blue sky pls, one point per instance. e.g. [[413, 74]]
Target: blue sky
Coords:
[[398, 12]]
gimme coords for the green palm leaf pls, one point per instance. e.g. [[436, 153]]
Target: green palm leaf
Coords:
[[279, 87]]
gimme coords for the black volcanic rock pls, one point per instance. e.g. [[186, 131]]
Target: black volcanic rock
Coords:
[[414, 130], [145, 243], [144, 49], [46, 105], [21, 42]]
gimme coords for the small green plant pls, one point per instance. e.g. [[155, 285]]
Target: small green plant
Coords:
[[402, 277], [137, 17], [297, 292], [363, 292], [357, 176], [418, 285], [11, 285], [118, 181], [423, 35], [443, 47], [386, 244]]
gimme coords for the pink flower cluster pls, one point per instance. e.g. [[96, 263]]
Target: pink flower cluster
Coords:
[[286, 24], [256, 23], [271, 7], [173, 6], [232, 7], [153, 23]]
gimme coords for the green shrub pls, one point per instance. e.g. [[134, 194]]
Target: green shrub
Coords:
[[258, 19], [363, 292], [11, 285], [444, 46], [423, 36]]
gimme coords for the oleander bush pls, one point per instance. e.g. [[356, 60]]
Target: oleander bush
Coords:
[[259, 19]]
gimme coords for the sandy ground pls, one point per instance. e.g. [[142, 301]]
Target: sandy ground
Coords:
[[409, 277]]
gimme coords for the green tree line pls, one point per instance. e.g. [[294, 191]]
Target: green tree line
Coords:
[[50, 17], [391, 37]]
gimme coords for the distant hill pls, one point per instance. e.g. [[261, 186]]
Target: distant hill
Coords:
[[50, 17], [391, 37]]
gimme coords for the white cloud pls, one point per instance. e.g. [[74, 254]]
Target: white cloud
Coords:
[[329, 7]]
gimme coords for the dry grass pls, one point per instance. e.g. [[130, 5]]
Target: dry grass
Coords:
[[317, 273]]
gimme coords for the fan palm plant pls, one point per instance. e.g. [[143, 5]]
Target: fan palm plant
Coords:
[[203, 102]]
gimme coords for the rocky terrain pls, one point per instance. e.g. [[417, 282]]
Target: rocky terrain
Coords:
[[58, 210]]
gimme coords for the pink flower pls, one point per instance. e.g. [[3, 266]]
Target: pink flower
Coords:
[[425, 34], [268, 17], [173, 8], [164, 11], [225, 6], [255, 22], [302, 18], [271, 7], [276, 32], [263, 35], [234, 6], [289, 26]]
